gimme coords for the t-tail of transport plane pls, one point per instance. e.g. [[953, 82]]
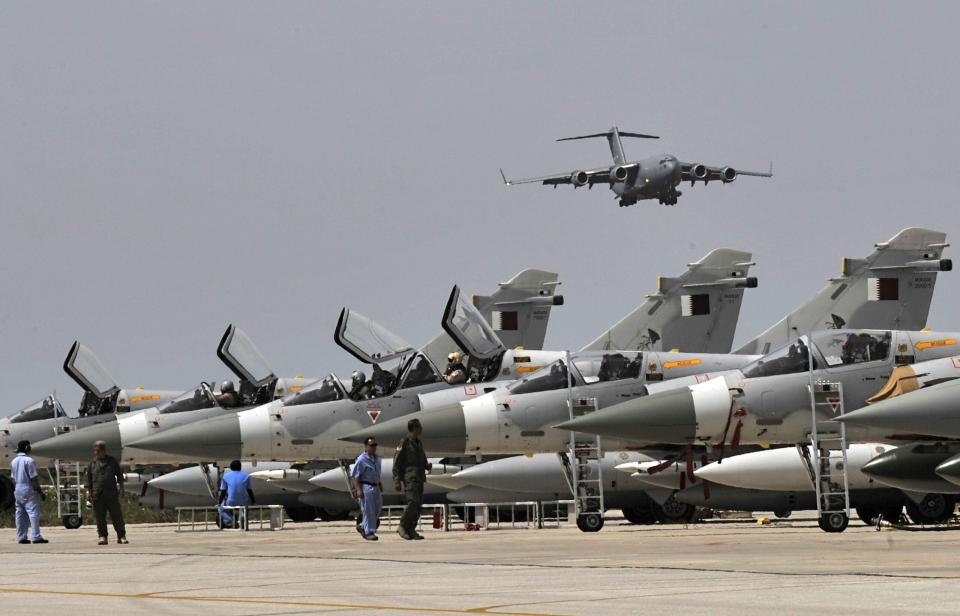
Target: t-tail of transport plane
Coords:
[[890, 289], [696, 312]]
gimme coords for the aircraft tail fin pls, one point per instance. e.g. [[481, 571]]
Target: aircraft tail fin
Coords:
[[613, 138], [696, 312], [890, 289], [519, 312]]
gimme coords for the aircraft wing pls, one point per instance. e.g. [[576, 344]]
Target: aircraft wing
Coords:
[[577, 178], [692, 172]]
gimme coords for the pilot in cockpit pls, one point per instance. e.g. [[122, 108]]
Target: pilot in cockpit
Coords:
[[456, 372], [228, 396], [358, 385], [381, 382]]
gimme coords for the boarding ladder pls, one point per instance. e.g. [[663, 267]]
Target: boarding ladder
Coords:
[[69, 487], [826, 456], [212, 483], [582, 464]]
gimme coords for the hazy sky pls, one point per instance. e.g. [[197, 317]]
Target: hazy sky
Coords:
[[169, 168]]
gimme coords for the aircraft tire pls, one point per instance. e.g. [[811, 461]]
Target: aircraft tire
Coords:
[[868, 515], [72, 522], [933, 509], [640, 514], [6, 492], [301, 514], [335, 515], [590, 523], [835, 522], [892, 513], [783, 514], [674, 512]]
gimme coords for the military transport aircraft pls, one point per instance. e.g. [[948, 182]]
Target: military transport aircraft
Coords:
[[656, 177]]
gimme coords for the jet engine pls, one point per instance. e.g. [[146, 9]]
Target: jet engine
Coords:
[[579, 178], [699, 171], [728, 174], [619, 173]]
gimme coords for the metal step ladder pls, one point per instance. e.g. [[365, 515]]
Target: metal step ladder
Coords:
[[68, 482], [826, 456], [582, 464]]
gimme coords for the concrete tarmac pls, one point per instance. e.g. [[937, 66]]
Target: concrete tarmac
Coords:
[[790, 567]]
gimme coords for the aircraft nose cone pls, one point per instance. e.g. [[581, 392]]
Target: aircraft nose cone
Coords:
[[332, 479], [444, 431], [913, 468], [78, 445], [773, 469], [183, 481], [950, 470], [932, 410], [217, 438], [669, 417]]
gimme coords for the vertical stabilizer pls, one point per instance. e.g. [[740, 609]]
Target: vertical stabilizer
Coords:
[[696, 312]]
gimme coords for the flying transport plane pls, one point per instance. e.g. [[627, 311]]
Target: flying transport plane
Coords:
[[656, 177]]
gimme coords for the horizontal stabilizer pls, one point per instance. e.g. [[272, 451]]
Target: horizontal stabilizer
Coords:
[[608, 133]]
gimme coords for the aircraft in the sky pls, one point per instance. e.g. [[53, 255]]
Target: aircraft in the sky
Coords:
[[655, 177]]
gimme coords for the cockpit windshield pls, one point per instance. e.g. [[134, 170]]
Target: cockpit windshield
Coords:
[[553, 376], [840, 348], [48, 408], [420, 371], [324, 390], [201, 397], [609, 366], [789, 359]]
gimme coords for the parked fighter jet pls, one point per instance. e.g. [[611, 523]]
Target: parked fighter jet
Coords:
[[656, 177], [770, 401], [299, 427], [258, 384], [312, 431]]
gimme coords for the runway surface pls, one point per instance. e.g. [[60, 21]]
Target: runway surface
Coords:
[[712, 568]]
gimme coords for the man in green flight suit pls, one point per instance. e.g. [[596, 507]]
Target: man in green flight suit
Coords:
[[104, 485], [410, 468]]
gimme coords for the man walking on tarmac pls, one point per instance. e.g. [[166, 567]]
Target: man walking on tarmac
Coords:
[[410, 468], [366, 479], [104, 485], [27, 494]]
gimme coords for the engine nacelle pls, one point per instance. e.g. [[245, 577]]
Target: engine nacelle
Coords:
[[619, 173], [699, 171], [579, 178], [728, 174]]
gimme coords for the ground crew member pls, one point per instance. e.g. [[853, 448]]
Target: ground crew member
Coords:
[[410, 468], [235, 491], [27, 494], [366, 478], [104, 485], [456, 372]]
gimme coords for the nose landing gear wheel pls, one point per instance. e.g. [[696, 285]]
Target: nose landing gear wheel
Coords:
[[933, 509], [835, 522], [590, 523], [72, 522]]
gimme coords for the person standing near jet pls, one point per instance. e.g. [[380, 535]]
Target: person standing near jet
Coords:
[[410, 468], [104, 485], [456, 372], [366, 479], [235, 491], [27, 493]]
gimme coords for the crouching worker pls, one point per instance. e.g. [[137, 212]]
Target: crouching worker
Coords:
[[235, 491], [366, 479]]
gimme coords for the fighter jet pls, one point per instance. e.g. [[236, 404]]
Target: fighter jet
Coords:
[[304, 426], [656, 177], [523, 417], [258, 385]]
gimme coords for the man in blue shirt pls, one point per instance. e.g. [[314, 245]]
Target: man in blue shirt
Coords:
[[235, 491], [366, 477], [27, 493]]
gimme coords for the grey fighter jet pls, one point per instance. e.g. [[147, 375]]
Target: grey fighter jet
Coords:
[[656, 177], [258, 384]]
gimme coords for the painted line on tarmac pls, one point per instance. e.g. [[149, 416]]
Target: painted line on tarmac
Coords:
[[255, 601]]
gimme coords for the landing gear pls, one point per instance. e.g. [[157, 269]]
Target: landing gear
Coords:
[[590, 522], [627, 202], [301, 514], [72, 522], [783, 514], [834, 522], [641, 514], [674, 512], [328, 515], [670, 198], [868, 515], [933, 509]]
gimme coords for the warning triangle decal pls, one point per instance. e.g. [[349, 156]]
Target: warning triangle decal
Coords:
[[373, 415]]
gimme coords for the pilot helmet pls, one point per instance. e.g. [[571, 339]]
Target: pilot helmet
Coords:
[[358, 378], [227, 388], [453, 357]]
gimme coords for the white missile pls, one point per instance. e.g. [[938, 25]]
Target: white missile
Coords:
[[784, 469]]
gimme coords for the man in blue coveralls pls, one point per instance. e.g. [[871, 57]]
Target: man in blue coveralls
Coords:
[[235, 491], [23, 471], [366, 477]]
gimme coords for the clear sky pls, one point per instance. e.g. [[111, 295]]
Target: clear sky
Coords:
[[169, 168]]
